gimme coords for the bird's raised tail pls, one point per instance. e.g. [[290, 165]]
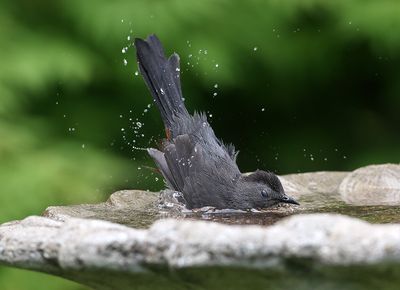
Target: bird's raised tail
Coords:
[[162, 77]]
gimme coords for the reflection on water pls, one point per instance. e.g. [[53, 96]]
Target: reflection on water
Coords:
[[139, 209], [309, 204]]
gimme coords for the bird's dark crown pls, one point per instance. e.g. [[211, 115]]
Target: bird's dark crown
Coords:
[[267, 178]]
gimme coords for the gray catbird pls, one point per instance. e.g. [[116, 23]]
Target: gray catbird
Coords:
[[192, 159]]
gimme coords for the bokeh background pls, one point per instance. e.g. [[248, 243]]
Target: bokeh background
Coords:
[[299, 85]]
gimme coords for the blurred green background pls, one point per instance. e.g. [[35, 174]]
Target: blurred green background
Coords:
[[298, 85]]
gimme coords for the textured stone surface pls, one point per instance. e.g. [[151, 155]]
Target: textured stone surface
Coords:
[[372, 185], [79, 248], [316, 191], [323, 182], [140, 209], [135, 208], [83, 242]]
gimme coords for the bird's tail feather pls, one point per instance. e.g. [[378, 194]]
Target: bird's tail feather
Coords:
[[162, 77]]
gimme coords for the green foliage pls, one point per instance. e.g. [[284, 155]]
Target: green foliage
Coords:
[[302, 85], [13, 279]]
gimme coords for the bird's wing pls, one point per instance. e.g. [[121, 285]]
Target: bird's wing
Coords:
[[211, 179], [159, 159], [194, 162], [201, 170], [175, 160]]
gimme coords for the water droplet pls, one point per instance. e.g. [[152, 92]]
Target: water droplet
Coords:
[[124, 50], [125, 62], [122, 129], [216, 65], [255, 48], [178, 69], [162, 91], [216, 86], [215, 94], [129, 37], [120, 116], [83, 146], [210, 115], [262, 109]]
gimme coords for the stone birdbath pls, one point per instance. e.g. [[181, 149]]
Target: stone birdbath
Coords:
[[344, 235]]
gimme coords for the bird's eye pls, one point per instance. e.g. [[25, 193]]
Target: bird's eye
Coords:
[[264, 193]]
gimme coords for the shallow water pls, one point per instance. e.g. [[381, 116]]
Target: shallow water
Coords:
[[373, 214], [315, 203]]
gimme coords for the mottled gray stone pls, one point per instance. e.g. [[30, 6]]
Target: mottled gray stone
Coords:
[[372, 185], [83, 242], [78, 248], [135, 208], [314, 190], [323, 182]]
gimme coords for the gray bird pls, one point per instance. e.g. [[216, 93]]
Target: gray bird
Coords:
[[191, 158]]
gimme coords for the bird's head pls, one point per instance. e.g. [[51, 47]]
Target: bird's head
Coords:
[[262, 189]]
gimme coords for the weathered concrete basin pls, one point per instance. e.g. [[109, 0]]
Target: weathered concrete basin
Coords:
[[131, 242]]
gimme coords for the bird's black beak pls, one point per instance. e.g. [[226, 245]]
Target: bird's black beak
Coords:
[[288, 199]]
